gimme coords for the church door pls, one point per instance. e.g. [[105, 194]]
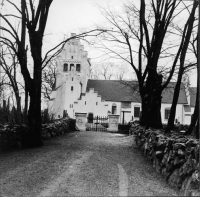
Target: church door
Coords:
[[90, 118]]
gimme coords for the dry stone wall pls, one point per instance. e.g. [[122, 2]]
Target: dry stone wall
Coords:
[[175, 156], [14, 136]]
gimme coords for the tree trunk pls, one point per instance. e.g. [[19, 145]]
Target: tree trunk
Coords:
[[170, 124], [34, 117], [34, 113], [195, 113], [193, 121], [197, 129], [18, 115], [151, 102], [25, 113]]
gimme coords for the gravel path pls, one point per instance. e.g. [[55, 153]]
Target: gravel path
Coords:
[[81, 164]]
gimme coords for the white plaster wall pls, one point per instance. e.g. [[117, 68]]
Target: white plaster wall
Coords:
[[187, 119], [73, 53], [187, 116], [118, 105], [91, 103], [56, 105], [178, 116]]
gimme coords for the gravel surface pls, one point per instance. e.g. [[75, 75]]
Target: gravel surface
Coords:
[[81, 164]]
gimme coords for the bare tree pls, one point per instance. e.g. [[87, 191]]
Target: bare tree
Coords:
[[185, 42], [49, 79], [150, 28], [195, 117], [122, 71], [108, 71], [9, 64], [32, 17]]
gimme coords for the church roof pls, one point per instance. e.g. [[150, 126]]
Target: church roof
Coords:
[[193, 91], [115, 90], [119, 91]]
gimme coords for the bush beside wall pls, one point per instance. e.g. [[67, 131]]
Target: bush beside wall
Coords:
[[175, 156], [14, 136]]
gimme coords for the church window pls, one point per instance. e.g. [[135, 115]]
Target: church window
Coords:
[[167, 113], [114, 108], [78, 67], [72, 79], [96, 103], [72, 88], [65, 68], [85, 102], [136, 112], [72, 57], [71, 66]]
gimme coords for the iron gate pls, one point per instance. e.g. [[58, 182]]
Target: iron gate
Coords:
[[97, 123]]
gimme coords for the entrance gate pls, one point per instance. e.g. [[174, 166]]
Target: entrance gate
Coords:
[[96, 123]]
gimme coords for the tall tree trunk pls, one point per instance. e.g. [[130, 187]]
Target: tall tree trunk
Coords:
[[26, 101], [195, 115], [187, 34], [34, 118], [34, 113], [151, 102], [197, 129], [170, 124], [18, 115], [194, 120]]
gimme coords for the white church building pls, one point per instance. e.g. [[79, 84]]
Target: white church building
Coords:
[[76, 93]]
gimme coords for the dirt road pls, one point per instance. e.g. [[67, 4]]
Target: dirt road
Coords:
[[81, 164]]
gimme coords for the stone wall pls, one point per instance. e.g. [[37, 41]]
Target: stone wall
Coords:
[[175, 156], [14, 136]]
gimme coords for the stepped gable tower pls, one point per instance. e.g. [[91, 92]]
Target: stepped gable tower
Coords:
[[73, 70]]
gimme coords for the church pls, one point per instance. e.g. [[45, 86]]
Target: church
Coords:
[[75, 92]]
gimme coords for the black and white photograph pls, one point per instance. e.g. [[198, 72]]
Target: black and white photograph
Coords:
[[99, 98]]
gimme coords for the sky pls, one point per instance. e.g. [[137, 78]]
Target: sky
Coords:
[[71, 16]]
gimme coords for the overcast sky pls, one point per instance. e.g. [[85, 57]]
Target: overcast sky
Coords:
[[70, 16]]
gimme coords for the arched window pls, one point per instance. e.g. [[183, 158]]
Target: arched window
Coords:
[[71, 66], [72, 88], [65, 67], [114, 108], [78, 67]]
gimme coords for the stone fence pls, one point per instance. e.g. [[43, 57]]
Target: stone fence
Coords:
[[175, 156], [14, 136]]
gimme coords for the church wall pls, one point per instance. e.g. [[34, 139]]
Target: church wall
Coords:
[[72, 80], [178, 116], [91, 103], [55, 106], [71, 83], [187, 116]]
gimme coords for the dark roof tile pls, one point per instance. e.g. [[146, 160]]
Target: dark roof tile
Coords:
[[115, 90]]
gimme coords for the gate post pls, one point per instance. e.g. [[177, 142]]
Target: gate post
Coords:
[[81, 121], [113, 123]]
